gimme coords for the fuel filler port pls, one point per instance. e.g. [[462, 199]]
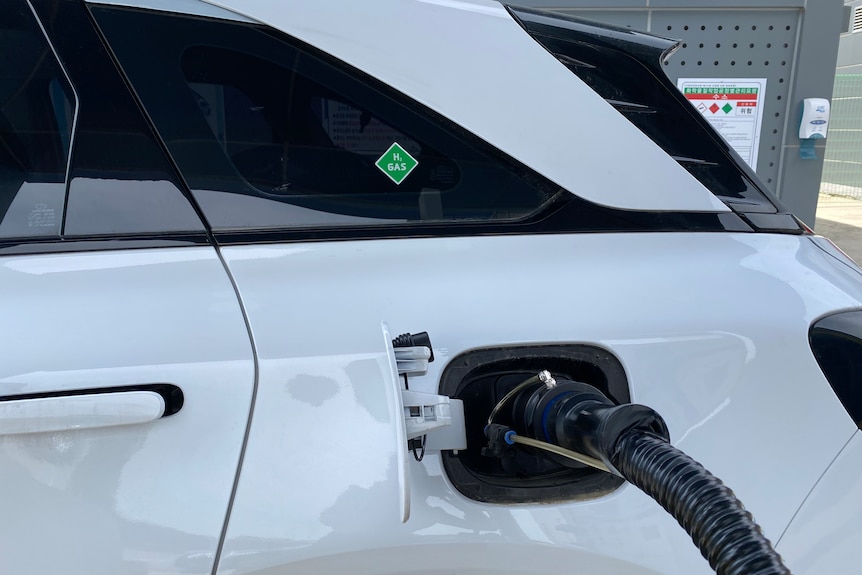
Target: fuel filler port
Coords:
[[482, 378]]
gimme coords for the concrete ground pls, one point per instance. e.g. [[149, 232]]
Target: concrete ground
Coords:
[[839, 218]]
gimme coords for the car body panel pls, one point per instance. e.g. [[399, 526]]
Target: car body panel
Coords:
[[308, 498], [136, 498], [824, 536], [411, 44], [288, 453]]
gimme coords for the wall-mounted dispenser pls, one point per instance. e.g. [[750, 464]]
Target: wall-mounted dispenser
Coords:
[[813, 125]]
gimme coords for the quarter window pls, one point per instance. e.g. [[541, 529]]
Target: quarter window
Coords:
[[121, 183], [270, 134], [37, 109]]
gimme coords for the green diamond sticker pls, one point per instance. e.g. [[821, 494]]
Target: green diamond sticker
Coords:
[[396, 163], [727, 108]]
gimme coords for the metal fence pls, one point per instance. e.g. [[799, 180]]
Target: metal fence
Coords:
[[842, 168]]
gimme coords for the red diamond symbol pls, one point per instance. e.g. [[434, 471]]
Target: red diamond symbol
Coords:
[[714, 108]]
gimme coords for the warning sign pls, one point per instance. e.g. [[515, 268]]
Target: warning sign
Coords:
[[396, 163], [734, 107]]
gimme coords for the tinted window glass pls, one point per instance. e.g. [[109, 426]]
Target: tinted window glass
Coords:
[[120, 181], [624, 67], [271, 135], [836, 341], [37, 108]]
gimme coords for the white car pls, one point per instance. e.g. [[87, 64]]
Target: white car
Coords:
[[216, 218]]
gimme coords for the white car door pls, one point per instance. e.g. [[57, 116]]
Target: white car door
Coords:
[[127, 371], [341, 205]]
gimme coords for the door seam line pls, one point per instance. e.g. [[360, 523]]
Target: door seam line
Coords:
[[238, 473], [813, 488]]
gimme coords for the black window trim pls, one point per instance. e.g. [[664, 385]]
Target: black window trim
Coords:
[[71, 151], [84, 244]]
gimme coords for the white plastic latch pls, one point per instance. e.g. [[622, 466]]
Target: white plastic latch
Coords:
[[437, 416], [412, 361]]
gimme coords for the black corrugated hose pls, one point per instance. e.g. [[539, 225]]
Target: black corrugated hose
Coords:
[[719, 525], [633, 441]]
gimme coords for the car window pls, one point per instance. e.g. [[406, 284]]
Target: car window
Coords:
[[37, 108], [77, 158], [121, 183], [626, 70], [270, 134]]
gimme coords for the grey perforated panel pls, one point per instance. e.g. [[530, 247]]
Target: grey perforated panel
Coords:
[[726, 44], [751, 44]]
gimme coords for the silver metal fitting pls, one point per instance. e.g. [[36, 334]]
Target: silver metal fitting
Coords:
[[548, 379]]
